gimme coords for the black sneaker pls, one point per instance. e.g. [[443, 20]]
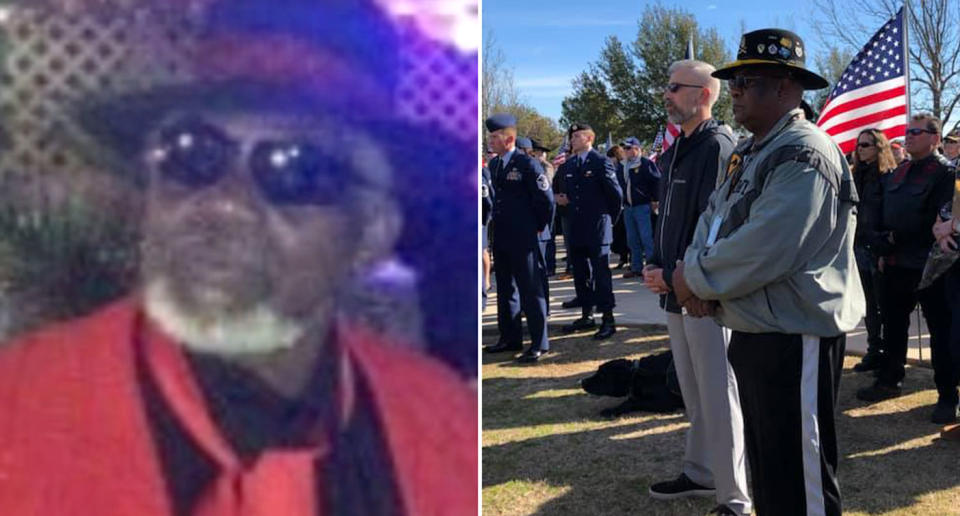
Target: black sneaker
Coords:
[[878, 392], [944, 413], [723, 510], [680, 487]]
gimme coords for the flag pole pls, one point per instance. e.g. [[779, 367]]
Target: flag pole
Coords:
[[906, 56]]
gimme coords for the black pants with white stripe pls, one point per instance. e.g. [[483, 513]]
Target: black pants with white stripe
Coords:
[[788, 394]]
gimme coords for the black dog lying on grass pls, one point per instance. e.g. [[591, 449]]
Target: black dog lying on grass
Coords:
[[650, 384]]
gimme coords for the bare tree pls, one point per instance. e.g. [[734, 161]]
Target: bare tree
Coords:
[[934, 43], [497, 84]]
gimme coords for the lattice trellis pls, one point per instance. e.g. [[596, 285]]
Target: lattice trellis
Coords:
[[438, 85], [55, 59]]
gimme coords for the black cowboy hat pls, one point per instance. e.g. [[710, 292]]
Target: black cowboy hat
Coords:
[[773, 47]]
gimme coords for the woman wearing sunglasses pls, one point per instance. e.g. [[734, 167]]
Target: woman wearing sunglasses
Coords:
[[871, 159]]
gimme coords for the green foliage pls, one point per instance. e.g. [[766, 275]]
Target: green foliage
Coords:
[[593, 103], [831, 66], [64, 249], [622, 92]]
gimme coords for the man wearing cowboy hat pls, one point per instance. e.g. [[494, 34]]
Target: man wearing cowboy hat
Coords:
[[772, 259], [233, 382]]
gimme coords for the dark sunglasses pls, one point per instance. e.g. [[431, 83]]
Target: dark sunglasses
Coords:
[[865, 145], [674, 87], [197, 154], [743, 82], [916, 131]]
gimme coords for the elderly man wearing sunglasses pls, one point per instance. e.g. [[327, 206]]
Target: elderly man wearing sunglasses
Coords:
[[772, 259], [234, 382]]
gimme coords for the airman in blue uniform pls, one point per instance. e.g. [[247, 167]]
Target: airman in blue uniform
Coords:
[[592, 195], [487, 195], [522, 209]]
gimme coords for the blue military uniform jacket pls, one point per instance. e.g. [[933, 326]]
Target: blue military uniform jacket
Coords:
[[644, 182], [595, 199], [487, 195], [524, 202]]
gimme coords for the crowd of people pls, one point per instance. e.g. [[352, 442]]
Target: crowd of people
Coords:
[[765, 251]]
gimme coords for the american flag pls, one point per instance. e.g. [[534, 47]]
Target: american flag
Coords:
[[670, 134], [872, 91], [674, 130]]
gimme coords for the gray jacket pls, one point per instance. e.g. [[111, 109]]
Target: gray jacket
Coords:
[[775, 243]]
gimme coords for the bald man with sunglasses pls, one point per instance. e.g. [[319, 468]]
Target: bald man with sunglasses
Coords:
[[234, 381]]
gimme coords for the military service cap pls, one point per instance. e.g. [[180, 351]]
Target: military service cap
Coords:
[[500, 121]]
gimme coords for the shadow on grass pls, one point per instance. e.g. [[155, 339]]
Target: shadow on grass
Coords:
[[579, 347], [519, 402], [547, 452], [889, 460]]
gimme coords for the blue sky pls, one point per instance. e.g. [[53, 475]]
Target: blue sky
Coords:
[[548, 42]]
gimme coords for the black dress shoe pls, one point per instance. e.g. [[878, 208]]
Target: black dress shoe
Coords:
[[944, 413], [879, 391], [500, 347], [870, 362], [531, 356], [607, 329], [573, 303], [583, 323]]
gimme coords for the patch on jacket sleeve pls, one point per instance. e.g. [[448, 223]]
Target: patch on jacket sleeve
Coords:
[[543, 183]]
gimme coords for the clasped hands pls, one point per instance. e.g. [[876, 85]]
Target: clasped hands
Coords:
[[943, 232], [696, 307]]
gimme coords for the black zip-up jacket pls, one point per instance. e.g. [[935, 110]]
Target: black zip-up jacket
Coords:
[[912, 197], [866, 177], [689, 171]]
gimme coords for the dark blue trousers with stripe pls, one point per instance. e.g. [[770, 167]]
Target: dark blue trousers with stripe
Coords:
[[520, 287], [788, 395]]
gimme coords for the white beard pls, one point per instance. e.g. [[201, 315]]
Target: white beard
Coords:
[[258, 330]]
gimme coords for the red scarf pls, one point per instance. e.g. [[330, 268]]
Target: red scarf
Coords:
[[278, 482]]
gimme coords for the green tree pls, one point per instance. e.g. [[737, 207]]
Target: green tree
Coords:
[[532, 124], [831, 66], [594, 103], [622, 92]]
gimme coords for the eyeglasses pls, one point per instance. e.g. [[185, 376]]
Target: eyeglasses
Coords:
[[865, 145], [674, 87], [197, 154], [916, 131]]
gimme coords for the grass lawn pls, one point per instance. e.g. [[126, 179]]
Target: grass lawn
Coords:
[[546, 451]]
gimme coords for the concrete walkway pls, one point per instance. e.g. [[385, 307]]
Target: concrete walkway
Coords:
[[636, 306]]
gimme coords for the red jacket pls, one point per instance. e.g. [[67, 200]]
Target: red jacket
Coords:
[[75, 440]]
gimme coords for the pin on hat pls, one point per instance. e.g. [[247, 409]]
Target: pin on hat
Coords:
[[773, 47]]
